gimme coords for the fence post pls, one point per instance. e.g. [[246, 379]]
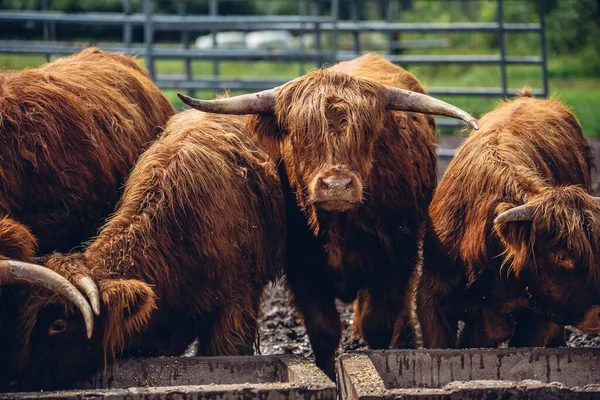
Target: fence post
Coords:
[[185, 40], [355, 15], [314, 10], [542, 12], [46, 28], [214, 10], [149, 38], [502, 43], [302, 10], [335, 14], [127, 27], [387, 15]]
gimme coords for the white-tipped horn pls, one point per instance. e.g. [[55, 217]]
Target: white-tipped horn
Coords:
[[407, 100], [18, 272], [254, 103], [519, 213]]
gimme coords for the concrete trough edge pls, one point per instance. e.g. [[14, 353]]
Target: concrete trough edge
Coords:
[[302, 381], [358, 379]]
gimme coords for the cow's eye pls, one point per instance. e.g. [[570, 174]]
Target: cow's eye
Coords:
[[58, 326], [564, 259]]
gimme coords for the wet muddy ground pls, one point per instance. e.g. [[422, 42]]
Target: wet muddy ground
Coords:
[[283, 332]]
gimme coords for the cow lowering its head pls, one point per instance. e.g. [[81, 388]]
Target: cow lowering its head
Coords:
[[70, 132], [513, 248], [359, 167], [197, 234]]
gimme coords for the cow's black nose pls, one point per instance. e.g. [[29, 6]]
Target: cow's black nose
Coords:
[[337, 182]]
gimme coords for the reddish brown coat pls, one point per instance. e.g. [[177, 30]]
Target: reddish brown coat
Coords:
[[517, 280], [198, 233], [70, 131], [334, 122]]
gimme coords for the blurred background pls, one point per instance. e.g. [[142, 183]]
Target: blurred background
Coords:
[[470, 52]]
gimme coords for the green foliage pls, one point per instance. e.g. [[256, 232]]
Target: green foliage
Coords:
[[573, 43]]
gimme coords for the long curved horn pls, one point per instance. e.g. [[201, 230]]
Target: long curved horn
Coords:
[[253, 103], [407, 100], [18, 272], [87, 286], [519, 213]]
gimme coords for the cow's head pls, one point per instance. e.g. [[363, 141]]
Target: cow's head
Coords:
[[552, 244], [325, 125], [65, 331]]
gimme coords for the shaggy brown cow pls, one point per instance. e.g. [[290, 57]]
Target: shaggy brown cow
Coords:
[[198, 233], [358, 177], [70, 132], [513, 245]]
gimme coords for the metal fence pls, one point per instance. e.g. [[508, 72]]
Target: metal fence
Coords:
[[309, 20]]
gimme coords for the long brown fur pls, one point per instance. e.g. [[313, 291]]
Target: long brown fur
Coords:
[[338, 117], [198, 233], [527, 151], [70, 131]]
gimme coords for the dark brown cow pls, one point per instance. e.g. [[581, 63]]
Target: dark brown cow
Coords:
[[513, 246], [198, 233], [358, 177], [70, 132]]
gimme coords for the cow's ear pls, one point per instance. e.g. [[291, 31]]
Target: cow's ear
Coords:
[[265, 129], [128, 305], [16, 240], [516, 240]]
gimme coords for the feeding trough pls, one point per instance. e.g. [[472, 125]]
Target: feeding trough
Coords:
[[473, 373], [218, 378]]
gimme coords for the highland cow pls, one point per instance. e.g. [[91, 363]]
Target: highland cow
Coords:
[[197, 234], [358, 169], [512, 247], [70, 132]]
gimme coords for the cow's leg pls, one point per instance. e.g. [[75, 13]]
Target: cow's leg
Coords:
[[322, 321], [232, 331], [437, 310], [484, 329], [382, 313], [436, 316], [531, 330]]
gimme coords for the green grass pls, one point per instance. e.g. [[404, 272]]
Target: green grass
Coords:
[[568, 80]]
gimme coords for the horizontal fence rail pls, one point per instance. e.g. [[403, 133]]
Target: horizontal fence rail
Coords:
[[325, 31]]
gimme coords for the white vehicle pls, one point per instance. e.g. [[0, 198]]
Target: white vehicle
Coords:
[[270, 40], [225, 40]]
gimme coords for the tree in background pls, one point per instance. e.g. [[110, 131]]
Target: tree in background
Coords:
[[575, 26]]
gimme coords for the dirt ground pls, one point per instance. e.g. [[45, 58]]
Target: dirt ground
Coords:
[[281, 332]]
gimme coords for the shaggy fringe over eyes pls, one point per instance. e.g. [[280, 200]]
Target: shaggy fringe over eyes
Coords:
[[305, 108], [569, 216]]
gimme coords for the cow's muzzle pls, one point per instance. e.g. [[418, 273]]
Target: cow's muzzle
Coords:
[[335, 190]]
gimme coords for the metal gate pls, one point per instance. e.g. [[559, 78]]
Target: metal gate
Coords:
[[308, 21]]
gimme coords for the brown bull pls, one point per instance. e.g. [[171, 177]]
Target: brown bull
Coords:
[[198, 233], [70, 132], [358, 168], [513, 245]]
